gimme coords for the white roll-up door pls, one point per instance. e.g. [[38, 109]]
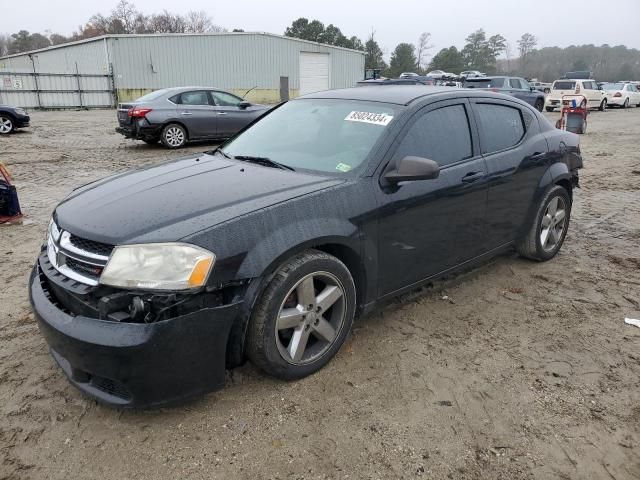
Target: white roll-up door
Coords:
[[314, 72]]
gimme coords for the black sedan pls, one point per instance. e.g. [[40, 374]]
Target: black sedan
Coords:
[[12, 118], [151, 283], [515, 86]]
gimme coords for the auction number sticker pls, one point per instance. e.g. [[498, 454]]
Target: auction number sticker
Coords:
[[369, 117]]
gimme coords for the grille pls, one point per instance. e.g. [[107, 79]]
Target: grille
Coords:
[[111, 387], [91, 246], [83, 268]]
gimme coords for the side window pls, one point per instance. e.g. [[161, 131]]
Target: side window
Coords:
[[194, 98], [441, 135], [500, 126], [525, 85], [224, 99], [515, 83]]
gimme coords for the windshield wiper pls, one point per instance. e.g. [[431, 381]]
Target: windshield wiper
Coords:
[[267, 162]]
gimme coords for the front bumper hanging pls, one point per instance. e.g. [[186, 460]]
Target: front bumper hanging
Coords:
[[135, 364]]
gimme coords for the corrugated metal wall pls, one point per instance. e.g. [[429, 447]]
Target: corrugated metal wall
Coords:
[[90, 56], [232, 61], [236, 62]]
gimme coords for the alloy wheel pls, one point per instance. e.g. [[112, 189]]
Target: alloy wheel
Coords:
[[553, 224], [6, 125], [174, 136], [310, 318]]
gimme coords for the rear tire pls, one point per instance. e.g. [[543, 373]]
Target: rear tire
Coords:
[[603, 106], [174, 136], [626, 103], [6, 125], [549, 226], [549, 109], [303, 317], [539, 105], [547, 90]]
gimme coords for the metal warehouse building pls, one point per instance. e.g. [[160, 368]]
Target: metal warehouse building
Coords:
[[101, 71]]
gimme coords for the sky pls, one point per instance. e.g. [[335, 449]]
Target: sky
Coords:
[[449, 21]]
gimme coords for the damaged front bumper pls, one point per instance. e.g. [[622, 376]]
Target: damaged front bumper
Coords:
[[135, 364]]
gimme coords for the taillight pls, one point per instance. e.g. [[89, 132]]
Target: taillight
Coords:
[[617, 94], [138, 112]]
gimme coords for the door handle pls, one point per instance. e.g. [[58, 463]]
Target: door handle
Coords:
[[472, 177], [222, 113], [186, 113], [538, 155]]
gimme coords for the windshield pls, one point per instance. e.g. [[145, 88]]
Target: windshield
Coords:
[[613, 86], [151, 96], [560, 85], [316, 134]]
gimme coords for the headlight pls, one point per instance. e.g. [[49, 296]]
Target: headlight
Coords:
[[53, 231], [20, 111], [158, 266]]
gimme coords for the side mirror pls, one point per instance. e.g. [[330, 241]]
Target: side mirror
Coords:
[[533, 89], [244, 105], [413, 168]]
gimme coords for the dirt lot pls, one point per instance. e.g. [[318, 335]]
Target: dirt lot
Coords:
[[515, 370]]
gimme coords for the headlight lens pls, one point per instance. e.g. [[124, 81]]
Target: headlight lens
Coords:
[[158, 266], [20, 111]]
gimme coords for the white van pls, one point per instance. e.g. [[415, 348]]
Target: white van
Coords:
[[596, 97]]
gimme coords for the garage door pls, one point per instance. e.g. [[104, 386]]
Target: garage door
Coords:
[[314, 72]]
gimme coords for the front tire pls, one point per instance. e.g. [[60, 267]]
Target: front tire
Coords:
[[303, 317], [549, 227], [603, 105], [626, 103], [539, 105], [174, 136], [6, 125]]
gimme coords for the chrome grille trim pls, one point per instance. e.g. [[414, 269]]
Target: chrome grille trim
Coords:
[[58, 252]]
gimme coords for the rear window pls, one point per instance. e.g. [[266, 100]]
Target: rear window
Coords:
[[500, 126], [151, 96], [562, 85], [613, 86], [484, 83]]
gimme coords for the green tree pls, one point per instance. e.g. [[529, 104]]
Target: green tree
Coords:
[[448, 59], [526, 45], [403, 59], [305, 30], [315, 31], [373, 54], [476, 51]]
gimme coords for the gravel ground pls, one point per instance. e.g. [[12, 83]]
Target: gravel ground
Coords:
[[515, 370]]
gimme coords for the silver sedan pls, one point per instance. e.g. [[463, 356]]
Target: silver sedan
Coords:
[[176, 116]]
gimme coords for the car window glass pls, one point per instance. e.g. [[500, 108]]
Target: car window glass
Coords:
[[500, 126], [175, 99], [224, 99], [441, 135], [484, 83], [194, 98], [562, 85], [525, 85], [515, 83]]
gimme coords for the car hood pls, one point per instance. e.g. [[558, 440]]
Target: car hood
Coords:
[[170, 201]]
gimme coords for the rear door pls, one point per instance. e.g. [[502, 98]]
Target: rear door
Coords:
[[197, 113], [231, 118], [516, 154], [429, 226], [518, 91]]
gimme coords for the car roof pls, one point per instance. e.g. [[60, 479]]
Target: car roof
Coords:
[[397, 94]]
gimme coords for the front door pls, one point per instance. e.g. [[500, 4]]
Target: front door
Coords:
[[429, 226], [231, 118]]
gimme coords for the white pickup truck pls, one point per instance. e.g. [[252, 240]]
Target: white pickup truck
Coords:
[[596, 97]]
